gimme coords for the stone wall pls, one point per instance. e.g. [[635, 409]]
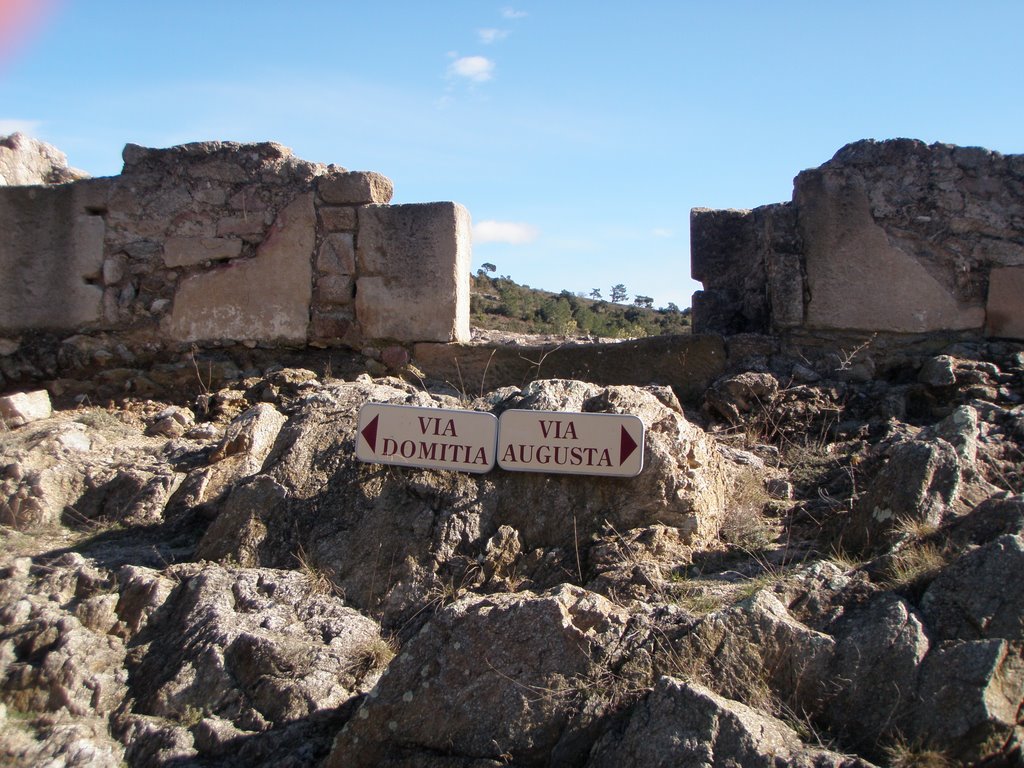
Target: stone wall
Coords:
[[222, 243], [893, 236]]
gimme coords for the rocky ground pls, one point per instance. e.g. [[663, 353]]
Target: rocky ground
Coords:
[[815, 568]]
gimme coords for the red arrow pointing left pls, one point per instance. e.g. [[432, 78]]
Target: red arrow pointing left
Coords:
[[369, 433]]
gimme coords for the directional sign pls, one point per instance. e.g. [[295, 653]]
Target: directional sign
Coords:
[[432, 438], [571, 443]]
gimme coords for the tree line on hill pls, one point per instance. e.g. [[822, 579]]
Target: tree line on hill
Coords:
[[500, 303]]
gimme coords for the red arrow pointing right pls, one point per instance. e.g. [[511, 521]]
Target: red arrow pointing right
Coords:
[[369, 433], [626, 446]]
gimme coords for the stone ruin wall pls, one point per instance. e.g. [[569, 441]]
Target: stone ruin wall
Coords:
[[224, 243], [890, 237], [212, 250]]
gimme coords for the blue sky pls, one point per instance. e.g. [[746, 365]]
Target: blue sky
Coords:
[[578, 134]]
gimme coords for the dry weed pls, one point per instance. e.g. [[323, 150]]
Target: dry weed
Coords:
[[317, 580], [744, 524], [375, 654], [914, 564], [902, 754]]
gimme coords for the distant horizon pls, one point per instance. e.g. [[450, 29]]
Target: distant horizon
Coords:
[[578, 137]]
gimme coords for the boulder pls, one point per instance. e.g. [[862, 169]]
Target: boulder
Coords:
[[917, 485], [685, 723], [24, 407], [997, 516], [735, 396], [508, 672], [173, 421], [24, 160], [65, 469], [59, 740], [58, 647], [757, 652], [874, 671], [960, 429], [240, 454], [256, 647], [252, 435], [939, 371], [975, 598], [969, 701]]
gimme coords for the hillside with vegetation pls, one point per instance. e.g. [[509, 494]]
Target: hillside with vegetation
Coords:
[[500, 303]]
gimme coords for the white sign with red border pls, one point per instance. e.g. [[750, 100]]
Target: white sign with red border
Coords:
[[610, 444], [430, 438]]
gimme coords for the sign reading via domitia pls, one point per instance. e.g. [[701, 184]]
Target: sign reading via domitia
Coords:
[[430, 438], [609, 444], [571, 443]]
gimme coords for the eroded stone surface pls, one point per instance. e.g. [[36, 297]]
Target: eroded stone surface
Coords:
[[1005, 308], [401, 249], [506, 671], [888, 236], [265, 298]]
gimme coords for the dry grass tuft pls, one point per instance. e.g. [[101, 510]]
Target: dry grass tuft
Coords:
[[317, 580], [916, 563], [376, 653], [744, 524], [902, 754]]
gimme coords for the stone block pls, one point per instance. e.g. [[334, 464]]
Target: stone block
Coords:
[[337, 218], [786, 290], [401, 249], [210, 195], [728, 257], [337, 255], [25, 407], [719, 239], [52, 256], [334, 289], [263, 299], [859, 278], [187, 251], [330, 324], [240, 225], [1004, 311], [355, 188], [113, 270], [395, 356]]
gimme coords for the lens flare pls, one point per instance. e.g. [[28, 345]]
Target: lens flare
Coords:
[[19, 20]]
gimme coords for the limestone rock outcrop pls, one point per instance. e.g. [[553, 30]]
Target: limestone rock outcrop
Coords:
[[218, 580], [427, 529], [27, 161]]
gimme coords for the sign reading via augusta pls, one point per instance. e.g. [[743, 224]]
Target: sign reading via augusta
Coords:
[[610, 444], [571, 443], [431, 438]]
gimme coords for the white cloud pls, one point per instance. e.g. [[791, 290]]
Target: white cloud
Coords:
[[513, 232], [479, 69], [662, 232], [511, 13], [8, 126], [491, 35]]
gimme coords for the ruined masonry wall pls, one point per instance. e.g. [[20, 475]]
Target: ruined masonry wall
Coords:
[[892, 236], [224, 242]]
